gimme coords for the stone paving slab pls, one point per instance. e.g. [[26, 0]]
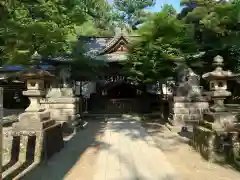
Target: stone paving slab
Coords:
[[128, 153]]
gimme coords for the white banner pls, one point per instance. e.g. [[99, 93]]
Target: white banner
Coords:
[[87, 88]]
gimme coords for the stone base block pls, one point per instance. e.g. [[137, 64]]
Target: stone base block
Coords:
[[52, 141], [190, 99], [38, 146], [191, 105], [67, 116], [204, 141], [62, 109], [174, 128], [188, 113], [39, 136], [33, 121]]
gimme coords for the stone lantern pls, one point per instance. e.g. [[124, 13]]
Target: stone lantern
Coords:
[[218, 133], [218, 84], [35, 121], [35, 80]]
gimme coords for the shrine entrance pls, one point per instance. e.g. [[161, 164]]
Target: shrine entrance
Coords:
[[114, 94], [120, 90], [118, 97]]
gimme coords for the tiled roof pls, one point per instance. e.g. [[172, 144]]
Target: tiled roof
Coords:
[[94, 45], [12, 68]]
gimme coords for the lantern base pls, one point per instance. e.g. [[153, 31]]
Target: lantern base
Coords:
[[43, 133]]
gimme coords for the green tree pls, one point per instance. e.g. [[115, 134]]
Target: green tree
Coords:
[[167, 39], [132, 11], [217, 28], [40, 25], [164, 41]]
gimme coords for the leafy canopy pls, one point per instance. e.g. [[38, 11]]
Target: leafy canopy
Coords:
[[168, 39], [27, 26], [132, 11], [163, 40]]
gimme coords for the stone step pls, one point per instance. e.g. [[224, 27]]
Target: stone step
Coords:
[[18, 170]]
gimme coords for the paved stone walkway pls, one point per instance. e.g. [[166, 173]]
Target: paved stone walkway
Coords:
[[127, 152]]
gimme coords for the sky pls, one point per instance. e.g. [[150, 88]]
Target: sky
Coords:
[[159, 3]]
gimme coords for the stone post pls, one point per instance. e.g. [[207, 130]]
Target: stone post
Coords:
[[1, 131]]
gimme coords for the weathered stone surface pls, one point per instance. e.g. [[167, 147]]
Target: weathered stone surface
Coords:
[[188, 111], [38, 144], [188, 99], [60, 100], [30, 121], [63, 108], [1, 132], [181, 110], [53, 134], [40, 136], [1, 148], [217, 135]]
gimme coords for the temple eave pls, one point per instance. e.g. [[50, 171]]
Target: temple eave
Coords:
[[112, 57]]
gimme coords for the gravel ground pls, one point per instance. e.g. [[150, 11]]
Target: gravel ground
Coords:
[[187, 162]]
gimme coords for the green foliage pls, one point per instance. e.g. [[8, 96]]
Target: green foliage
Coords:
[[167, 39], [164, 40], [216, 27], [45, 26], [104, 21], [132, 11]]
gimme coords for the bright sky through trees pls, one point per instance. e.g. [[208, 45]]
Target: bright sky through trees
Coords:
[[159, 3]]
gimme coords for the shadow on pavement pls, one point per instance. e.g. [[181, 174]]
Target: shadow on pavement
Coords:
[[60, 164], [165, 139]]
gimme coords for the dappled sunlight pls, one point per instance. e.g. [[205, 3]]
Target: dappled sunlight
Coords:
[[111, 90], [131, 117], [79, 153], [127, 151]]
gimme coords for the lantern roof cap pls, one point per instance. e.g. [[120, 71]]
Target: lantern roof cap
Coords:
[[34, 73], [218, 73]]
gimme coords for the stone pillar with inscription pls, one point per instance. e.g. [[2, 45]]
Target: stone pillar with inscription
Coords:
[[62, 102], [189, 104], [39, 134]]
